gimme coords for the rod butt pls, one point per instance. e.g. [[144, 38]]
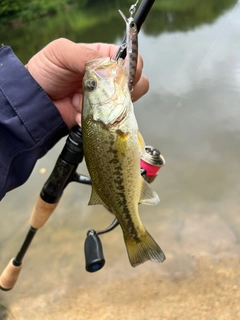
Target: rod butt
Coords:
[[9, 276]]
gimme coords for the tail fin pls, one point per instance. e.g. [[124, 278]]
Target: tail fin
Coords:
[[144, 249]]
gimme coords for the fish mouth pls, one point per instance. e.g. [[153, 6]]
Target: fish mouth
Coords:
[[106, 62], [99, 67], [104, 67]]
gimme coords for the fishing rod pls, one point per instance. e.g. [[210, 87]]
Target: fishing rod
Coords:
[[65, 172]]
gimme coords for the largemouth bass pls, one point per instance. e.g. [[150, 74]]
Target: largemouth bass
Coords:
[[112, 149]]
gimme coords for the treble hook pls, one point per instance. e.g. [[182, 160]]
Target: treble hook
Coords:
[[133, 8]]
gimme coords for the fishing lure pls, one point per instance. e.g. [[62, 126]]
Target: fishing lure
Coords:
[[131, 45]]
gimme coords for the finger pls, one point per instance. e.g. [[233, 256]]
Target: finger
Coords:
[[140, 88], [77, 101], [105, 49], [67, 112], [138, 70], [110, 50], [73, 56], [79, 119]]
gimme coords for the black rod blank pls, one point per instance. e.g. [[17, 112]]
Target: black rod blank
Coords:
[[19, 257]]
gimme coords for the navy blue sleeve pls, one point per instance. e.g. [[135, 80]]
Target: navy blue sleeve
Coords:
[[30, 124]]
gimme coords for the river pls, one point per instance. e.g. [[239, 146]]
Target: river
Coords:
[[191, 55]]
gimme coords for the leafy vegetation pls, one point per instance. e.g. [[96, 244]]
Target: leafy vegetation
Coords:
[[16, 11]]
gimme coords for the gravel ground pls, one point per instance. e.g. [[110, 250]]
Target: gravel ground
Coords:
[[212, 291]]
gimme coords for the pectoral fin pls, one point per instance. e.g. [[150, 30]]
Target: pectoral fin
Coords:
[[95, 199], [147, 195]]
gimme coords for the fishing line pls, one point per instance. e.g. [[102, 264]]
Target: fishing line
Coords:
[[204, 59]]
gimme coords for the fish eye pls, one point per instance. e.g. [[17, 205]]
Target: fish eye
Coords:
[[91, 84]]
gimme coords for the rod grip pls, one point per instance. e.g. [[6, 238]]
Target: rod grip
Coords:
[[9, 276], [41, 212]]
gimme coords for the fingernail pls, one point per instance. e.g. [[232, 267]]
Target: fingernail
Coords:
[[79, 119]]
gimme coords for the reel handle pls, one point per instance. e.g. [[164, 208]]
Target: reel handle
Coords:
[[94, 258]]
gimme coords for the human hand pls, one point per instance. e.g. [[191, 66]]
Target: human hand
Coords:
[[59, 68]]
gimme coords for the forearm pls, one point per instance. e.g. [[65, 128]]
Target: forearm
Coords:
[[30, 124]]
